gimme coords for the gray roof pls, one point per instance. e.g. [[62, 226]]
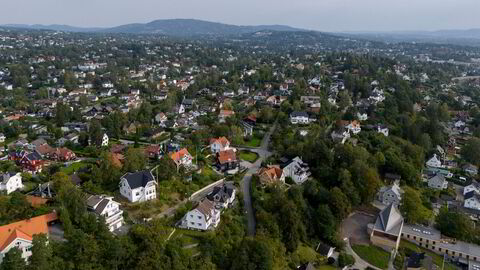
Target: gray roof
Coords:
[[139, 179], [299, 114], [223, 193], [438, 179], [103, 203], [93, 200], [472, 194], [389, 220]]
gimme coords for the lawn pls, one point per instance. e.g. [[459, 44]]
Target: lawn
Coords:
[[73, 167], [374, 255], [254, 142], [325, 267], [248, 156], [437, 259]]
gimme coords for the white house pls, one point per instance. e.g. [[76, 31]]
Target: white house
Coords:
[[459, 124], [204, 217], [105, 139], [470, 169], [472, 187], [161, 117], [434, 162], [106, 207], [2, 138], [390, 194], [472, 200], [341, 135], [11, 182], [383, 130], [138, 186], [362, 116], [297, 170], [354, 127], [438, 182], [220, 144], [299, 118]]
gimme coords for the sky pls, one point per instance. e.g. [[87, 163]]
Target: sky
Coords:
[[322, 15]]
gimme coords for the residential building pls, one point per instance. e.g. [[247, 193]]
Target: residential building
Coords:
[[472, 200], [470, 169], [105, 139], [299, 118], [2, 138], [138, 186], [224, 114], [10, 182], [220, 144], [20, 234], [62, 154], [222, 196], [383, 130], [182, 158], [153, 151], [354, 127], [32, 162], [160, 117], [340, 135], [227, 160], [472, 187], [325, 250], [387, 229], [204, 217], [390, 195], [438, 182], [434, 162], [271, 175], [362, 116], [297, 170], [107, 208]]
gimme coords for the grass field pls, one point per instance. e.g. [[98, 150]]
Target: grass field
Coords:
[[437, 259], [254, 142], [326, 267], [247, 156], [374, 255], [73, 167]]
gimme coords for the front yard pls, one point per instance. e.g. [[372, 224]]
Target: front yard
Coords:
[[437, 259], [248, 156], [373, 255], [74, 167]]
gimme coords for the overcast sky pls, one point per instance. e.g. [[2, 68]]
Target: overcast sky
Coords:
[[324, 15]]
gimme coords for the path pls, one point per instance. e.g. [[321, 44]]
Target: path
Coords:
[[359, 262], [263, 153]]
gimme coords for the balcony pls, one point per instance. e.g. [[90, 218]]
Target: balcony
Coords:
[[116, 216]]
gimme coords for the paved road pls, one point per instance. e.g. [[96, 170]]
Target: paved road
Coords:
[[359, 262], [263, 153]]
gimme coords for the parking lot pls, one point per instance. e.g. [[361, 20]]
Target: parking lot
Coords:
[[355, 227]]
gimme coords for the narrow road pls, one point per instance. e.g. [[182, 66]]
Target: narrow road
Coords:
[[359, 262], [263, 153]]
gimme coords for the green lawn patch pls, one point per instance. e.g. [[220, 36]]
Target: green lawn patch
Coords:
[[373, 255], [254, 142], [248, 156], [325, 267], [437, 259], [74, 167]]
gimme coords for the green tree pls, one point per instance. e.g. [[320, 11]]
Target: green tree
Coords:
[[41, 253], [412, 208], [339, 203], [13, 260], [470, 151], [135, 160]]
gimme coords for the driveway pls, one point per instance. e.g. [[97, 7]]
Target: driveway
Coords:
[[354, 228], [263, 153]]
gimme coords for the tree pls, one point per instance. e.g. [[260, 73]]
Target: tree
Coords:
[[470, 151], [345, 259], [135, 160], [41, 253], [251, 255], [456, 224], [339, 203], [95, 132], [412, 208], [13, 260]]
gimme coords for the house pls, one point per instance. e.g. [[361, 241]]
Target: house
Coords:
[[325, 250], [387, 229], [20, 234], [434, 162], [62, 154], [160, 117], [222, 196], [270, 175], [72, 137], [224, 114], [354, 127], [390, 194], [437, 182], [299, 118], [472, 187], [32, 162], [297, 170], [204, 217], [472, 200], [220, 144], [306, 266], [362, 116], [2, 138], [106, 207], [383, 130], [105, 139], [138, 186], [188, 103], [470, 169], [182, 158], [10, 182], [153, 151], [227, 160]]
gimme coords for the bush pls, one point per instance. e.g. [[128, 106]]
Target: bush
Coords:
[[345, 259]]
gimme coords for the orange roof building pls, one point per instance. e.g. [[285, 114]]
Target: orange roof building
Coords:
[[181, 157], [20, 234], [271, 175]]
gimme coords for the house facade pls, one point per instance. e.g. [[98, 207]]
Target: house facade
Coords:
[[438, 182], [11, 182], [107, 208], [299, 118], [472, 200], [222, 196], [138, 186], [220, 144], [227, 160], [182, 158], [204, 217], [297, 170], [390, 195], [387, 229]]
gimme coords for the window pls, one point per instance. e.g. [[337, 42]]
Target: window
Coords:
[[414, 238], [199, 217], [191, 216], [433, 247], [199, 224], [434, 242], [192, 223]]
